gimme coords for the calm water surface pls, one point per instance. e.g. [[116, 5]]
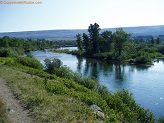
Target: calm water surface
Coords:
[[146, 83]]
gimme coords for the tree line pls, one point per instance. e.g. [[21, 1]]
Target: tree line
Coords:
[[11, 46], [117, 46], [95, 42]]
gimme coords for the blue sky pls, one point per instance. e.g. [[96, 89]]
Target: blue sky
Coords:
[[79, 14]]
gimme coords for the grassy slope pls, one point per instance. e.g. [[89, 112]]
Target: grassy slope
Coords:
[[45, 106], [54, 99]]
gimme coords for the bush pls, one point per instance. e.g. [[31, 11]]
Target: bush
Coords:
[[30, 62], [161, 120], [65, 72], [130, 60], [90, 83], [55, 67], [4, 52], [7, 61], [50, 65], [161, 49], [77, 52], [143, 60], [10, 52]]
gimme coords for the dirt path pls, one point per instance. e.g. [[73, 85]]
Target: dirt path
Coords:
[[16, 113]]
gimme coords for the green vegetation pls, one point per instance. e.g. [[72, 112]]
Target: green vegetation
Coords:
[[12, 47], [3, 115], [64, 96], [29, 61], [118, 46]]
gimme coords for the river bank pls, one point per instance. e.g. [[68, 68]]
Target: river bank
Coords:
[[50, 98], [107, 57], [138, 79]]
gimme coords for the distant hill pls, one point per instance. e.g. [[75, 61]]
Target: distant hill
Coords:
[[70, 34]]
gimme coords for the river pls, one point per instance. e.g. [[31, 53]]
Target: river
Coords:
[[145, 82]]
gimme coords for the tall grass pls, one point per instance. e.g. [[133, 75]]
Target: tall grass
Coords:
[[3, 115]]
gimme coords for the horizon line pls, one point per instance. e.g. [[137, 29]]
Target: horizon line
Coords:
[[77, 29]]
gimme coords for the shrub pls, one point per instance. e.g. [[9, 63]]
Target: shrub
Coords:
[[130, 60], [50, 65], [161, 120], [161, 49], [10, 52], [4, 52], [30, 62], [7, 61], [77, 52], [143, 60], [90, 83], [65, 72]]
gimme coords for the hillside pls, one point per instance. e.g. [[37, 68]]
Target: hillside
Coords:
[[55, 98], [70, 34]]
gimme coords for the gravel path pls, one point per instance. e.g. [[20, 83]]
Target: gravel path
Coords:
[[17, 114]]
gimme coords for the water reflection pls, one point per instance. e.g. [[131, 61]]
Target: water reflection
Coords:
[[141, 67], [96, 69], [119, 72], [91, 68], [86, 68], [79, 63]]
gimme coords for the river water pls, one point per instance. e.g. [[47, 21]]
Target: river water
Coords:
[[145, 82]]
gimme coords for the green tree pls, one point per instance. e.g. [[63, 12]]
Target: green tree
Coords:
[[158, 40], [105, 41], [5, 41], [86, 43], [94, 36], [152, 40], [79, 42], [119, 38]]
